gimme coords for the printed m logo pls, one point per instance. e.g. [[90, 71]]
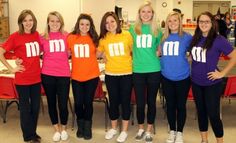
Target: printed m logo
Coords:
[[57, 45], [199, 54], [32, 49], [81, 50], [171, 48], [144, 41], [116, 49]]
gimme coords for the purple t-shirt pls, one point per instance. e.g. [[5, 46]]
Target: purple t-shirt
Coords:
[[205, 61]]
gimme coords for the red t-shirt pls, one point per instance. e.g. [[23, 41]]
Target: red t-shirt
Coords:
[[26, 47]]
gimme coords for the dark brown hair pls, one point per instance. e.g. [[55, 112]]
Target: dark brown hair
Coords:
[[92, 31], [211, 34]]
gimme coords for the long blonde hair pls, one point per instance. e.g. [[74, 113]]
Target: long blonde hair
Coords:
[[167, 30], [47, 29], [138, 22]]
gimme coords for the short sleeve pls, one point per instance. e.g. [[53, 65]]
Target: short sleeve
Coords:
[[9, 45]]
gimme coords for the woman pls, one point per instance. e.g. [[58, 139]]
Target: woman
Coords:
[[82, 43], [55, 73], [115, 46], [25, 44], [174, 47], [146, 67], [206, 47]]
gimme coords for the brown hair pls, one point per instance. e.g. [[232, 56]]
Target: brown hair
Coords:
[[21, 18], [103, 30], [92, 31]]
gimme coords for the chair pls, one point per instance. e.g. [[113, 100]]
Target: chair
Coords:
[[8, 94], [100, 96], [230, 89]]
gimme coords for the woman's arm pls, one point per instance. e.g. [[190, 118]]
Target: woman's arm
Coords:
[[219, 74], [18, 68]]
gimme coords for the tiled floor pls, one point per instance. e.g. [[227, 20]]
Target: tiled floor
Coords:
[[10, 132]]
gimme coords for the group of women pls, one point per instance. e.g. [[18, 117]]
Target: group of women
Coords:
[[140, 58]]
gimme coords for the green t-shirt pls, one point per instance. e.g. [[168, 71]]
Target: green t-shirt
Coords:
[[144, 50]]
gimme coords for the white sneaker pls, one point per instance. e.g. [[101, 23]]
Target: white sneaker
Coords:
[[171, 138], [179, 137], [56, 137], [148, 137], [64, 135], [140, 135], [110, 134], [122, 137]]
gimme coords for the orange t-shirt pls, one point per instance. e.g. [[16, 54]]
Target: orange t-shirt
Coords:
[[84, 60]]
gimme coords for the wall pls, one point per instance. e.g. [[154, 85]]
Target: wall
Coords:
[[97, 9], [69, 10]]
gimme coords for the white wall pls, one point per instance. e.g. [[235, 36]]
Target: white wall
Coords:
[[70, 9], [97, 9]]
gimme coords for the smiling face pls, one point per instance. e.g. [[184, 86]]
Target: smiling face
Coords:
[[28, 23], [84, 26], [54, 23], [111, 24], [173, 23], [146, 14], [205, 24]]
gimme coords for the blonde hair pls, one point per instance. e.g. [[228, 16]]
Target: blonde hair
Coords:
[[138, 22], [167, 30], [47, 29]]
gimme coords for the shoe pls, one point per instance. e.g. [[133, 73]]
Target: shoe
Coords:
[[80, 130], [34, 141], [56, 137], [148, 137], [179, 137], [171, 138], [139, 136], [110, 134], [122, 137], [64, 135], [38, 137], [87, 130]]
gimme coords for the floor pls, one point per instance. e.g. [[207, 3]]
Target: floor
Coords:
[[10, 131]]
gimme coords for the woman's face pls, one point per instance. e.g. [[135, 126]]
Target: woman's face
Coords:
[[28, 23], [111, 24], [173, 24], [205, 24], [54, 23], [146, 14], [84, 26]]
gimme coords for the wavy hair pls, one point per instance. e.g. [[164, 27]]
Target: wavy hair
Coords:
[[92, 31]]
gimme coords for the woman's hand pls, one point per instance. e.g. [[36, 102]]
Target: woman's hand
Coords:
[[19, 67], [215, 75]]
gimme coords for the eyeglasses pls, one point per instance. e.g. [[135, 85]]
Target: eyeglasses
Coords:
[[204, 22]]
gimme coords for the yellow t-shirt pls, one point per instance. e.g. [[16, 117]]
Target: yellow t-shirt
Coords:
[[117, 49]]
